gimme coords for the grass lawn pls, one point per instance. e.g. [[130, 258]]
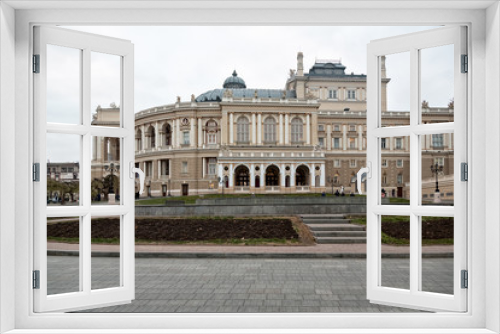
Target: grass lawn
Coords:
[[387, 239], [192, 199]]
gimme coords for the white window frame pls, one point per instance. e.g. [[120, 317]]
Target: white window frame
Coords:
[[339, 146], [17, 220], [336, 163], [333, 94], [184, 167], [376, 292], [186, 138], [399, 163], [351, 94], [212, 138], [439, 161], [212, 166]]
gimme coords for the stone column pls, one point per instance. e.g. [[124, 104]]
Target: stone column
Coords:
[[344, 137], [223, 127], [99, 148], [308, 130], [282, 175], [94, 148], [203, 164], [450, 141], [259, 129], [192, 133], [287, 126], [281, 129], [159, 169], [252, 174], [360, 137], [143, 138], [314, 128], [329, 137], [254, 130], [262, 176], [169, 162], [231, 176], [391, 141], [179, 134], [200, 133], [173, 135], [322, 177], [231, 136], [292, 175], [312, 176], [221, 175], [157, 135]]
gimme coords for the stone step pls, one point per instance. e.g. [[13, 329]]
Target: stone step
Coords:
[[335, 227], [341, 240], [325, 221], [323, 216], [321, 234]]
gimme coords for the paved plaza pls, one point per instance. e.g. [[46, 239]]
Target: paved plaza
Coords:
[[250, 285]]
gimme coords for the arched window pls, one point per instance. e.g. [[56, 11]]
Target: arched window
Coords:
[[242, 130], [270, 130], [167, 135], [297, 130], [152, 137], [138, 140]]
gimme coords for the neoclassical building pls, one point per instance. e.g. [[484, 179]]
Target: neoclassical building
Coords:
[[308, 137]]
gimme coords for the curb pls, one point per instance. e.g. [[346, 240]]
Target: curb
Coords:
[[250, 255]]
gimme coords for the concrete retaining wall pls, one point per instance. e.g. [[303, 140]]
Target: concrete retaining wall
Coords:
[[259, 207]]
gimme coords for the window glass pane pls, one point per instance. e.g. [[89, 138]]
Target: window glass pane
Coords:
[[63, 254], [437, 84], [395, 89], [437, 272], [63, 85], [63, 169], [105, 262], [105, 174], [395, 170], [395, 239], [437, 169], [105, 89]]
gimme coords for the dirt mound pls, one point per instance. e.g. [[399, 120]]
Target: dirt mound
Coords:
[[437, 228], [183, 229]]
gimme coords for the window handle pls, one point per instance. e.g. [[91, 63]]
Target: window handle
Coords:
[[359, 175], [134, 170]]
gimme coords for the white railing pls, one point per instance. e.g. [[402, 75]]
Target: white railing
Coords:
[[241, 188], [302, 188], [272, 188]]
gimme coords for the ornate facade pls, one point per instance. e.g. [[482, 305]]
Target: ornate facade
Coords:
[[308, 137]]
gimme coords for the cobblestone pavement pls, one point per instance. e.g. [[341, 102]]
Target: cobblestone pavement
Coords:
[[251, 285]]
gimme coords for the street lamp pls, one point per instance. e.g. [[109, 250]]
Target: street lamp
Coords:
[[436, 169], [331, 179]]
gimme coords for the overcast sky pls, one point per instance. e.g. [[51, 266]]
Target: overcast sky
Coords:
[[180, 61]]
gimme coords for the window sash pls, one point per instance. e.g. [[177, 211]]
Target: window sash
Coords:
[[413, 320]]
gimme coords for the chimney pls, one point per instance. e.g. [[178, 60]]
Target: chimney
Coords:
[[382, 67], [300, 64]]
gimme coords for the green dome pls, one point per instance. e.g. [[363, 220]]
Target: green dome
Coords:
[[234, 81]]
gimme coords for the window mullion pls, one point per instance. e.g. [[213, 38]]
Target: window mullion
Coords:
[[415, 170]]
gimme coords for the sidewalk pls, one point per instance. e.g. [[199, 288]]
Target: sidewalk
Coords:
[[222, 251]]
